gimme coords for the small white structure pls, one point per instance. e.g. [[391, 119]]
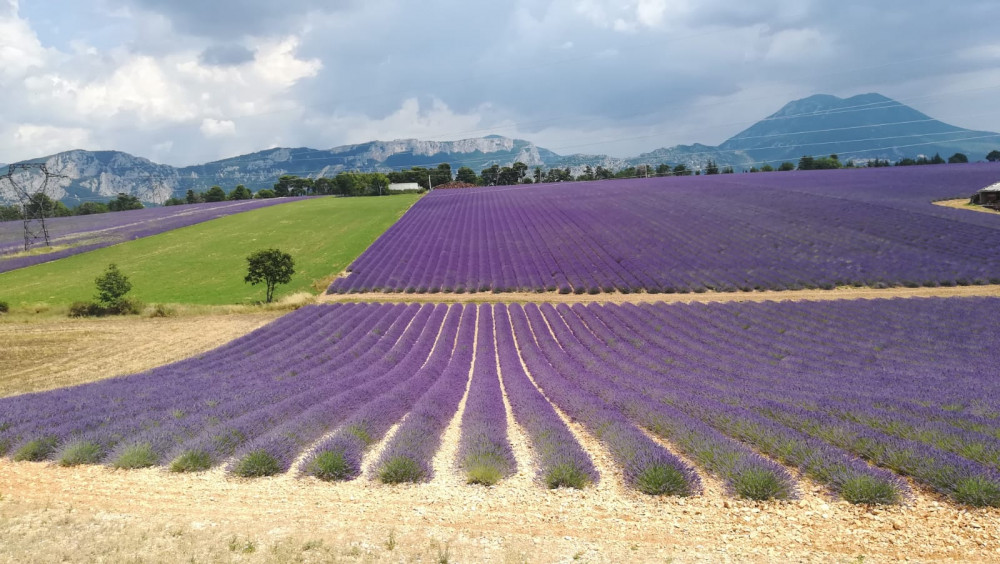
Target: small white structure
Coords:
[[401, 186]]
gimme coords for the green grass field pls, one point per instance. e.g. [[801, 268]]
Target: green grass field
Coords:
[[206, 263]]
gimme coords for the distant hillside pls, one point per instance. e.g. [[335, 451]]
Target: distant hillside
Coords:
[[862, 127]]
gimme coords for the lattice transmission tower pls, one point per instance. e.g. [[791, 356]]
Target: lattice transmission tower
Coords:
[[30, 182]]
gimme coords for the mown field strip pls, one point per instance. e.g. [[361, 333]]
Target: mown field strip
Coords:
[[847, 293]]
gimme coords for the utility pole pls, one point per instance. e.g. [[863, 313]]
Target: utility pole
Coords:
[[34, 199], [429, 185]]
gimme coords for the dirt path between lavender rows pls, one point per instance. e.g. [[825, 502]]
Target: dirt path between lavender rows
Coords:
[[843, 293]]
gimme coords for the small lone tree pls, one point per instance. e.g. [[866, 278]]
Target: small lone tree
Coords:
[[112, 287], [270, 266]]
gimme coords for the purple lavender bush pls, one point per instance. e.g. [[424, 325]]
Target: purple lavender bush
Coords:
[[484, 453], [407, 457], [560, 459], [741, 232]]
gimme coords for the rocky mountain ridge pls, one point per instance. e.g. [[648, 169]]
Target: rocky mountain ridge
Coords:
[[862, 127]]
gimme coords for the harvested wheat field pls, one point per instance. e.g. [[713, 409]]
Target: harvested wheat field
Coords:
[[42, 354]]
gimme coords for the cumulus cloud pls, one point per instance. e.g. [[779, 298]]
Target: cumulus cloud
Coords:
[[217, 127], [20, 49]]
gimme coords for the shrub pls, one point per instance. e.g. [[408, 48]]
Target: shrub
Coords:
[[760, 484], [192, 461], [83, 452], [84, 309], [869, 490], [160, 310], [401, 469], [566, 475], [329, 466], [4, 307], [38, 449], [257, 463], [125, 306], [660, 479], [978, 492], [139, 455], [112, 286]]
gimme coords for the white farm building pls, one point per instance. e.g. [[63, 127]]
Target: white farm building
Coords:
[[402, 186]]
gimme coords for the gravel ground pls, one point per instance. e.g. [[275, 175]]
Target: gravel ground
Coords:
[[88, 513]]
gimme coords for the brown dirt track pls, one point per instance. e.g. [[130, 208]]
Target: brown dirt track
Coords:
[[842, 293], [48, 513]]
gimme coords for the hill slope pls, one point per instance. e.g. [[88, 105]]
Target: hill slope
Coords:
[[862, 127], [206, 263]]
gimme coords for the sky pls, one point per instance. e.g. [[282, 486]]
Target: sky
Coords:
[[184, 82]]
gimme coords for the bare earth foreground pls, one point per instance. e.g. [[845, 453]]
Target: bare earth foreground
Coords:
[[49, 513]]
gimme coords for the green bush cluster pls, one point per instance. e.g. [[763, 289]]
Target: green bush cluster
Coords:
[[111, 289]]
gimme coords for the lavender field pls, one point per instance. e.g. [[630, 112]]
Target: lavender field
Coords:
[[79, 234], [739, 232], [854, 395]]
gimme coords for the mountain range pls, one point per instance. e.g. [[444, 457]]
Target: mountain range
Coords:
[[861, 128]]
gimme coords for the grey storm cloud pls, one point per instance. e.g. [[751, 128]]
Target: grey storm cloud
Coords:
[[226, 54], [564, 72], [214, 17]]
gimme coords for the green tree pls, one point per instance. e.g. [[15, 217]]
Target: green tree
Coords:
[[786, 166], [174, 201], [241, 192], [90, 208], [377, 183], [538, 175], [194, 198], [490, 176], [993, 156], [466, 174], [936, 159], [283, 186], [958, 158], [270, 266], [324, 185], [301, 186], [215, 194], [112, 287], [711, 167], [767, 168], [663, 169], [124, 202], [682, 170], [264, 193], [10, 213]]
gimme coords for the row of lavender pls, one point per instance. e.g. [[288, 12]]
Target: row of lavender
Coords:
[[79, 234], [852, 394], [727, 232]]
